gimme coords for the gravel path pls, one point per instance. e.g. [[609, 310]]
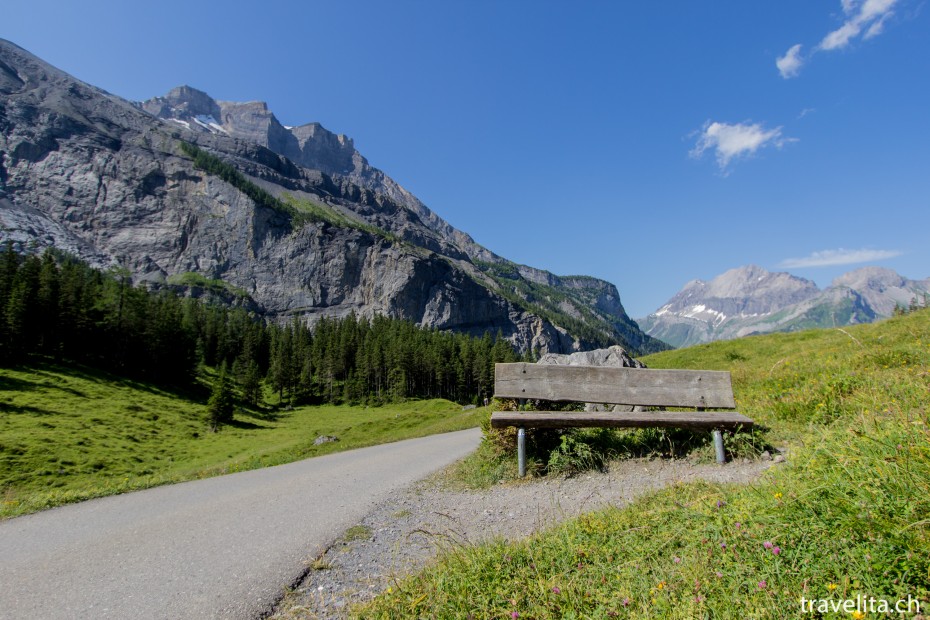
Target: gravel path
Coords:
[[403, 533]]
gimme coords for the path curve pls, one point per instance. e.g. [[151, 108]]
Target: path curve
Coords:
[[223, 547]]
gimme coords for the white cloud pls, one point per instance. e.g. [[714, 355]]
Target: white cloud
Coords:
[[840, 37], [877, 27], [789, 65], [870, 14], [864, 18], [828, 258], [731, 142]]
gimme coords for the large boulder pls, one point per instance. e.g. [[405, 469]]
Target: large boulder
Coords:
[[614, 356]]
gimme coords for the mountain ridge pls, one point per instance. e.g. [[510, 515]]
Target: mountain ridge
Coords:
[[749, 300], [99, 176]]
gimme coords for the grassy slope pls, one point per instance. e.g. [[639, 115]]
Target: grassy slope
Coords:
[[70, 434], [848, 515]]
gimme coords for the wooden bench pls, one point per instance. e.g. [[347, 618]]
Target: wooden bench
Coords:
[[640, 387]]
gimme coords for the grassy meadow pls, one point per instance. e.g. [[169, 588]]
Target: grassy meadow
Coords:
[[69, 434], [846, 518]]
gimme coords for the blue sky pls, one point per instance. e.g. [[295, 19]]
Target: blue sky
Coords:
[[646, 143]]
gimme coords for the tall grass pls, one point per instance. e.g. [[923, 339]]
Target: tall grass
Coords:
[[846, 518]]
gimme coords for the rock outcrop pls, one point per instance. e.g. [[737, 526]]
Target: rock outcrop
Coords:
[[614, 356]]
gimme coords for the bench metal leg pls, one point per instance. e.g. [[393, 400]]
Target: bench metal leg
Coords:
[[718, 446], [521, 451]]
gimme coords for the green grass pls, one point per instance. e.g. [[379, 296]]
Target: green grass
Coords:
[[322, 213], [70, 434], [357, 532], [196, 280], [848, 515]]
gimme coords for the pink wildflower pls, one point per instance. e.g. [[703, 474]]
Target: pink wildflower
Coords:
[[767, 545], [762, 585], [776, 550], [556, 589], [676, 559]]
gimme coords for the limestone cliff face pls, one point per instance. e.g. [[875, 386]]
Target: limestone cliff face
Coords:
[[105, 179], [310, 146]]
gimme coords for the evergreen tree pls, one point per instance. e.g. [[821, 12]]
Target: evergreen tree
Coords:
[[252, 384], [47, 298], [60, 306], [221, 403]]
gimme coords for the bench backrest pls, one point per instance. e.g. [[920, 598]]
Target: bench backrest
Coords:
[[709, 389]]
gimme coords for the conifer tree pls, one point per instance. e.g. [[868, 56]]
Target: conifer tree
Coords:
[[221, 403]]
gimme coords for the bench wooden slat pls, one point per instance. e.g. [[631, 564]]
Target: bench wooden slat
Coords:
[[621, 386], [637, 419]]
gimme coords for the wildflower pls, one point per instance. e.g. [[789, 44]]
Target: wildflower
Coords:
[[626, 602], [778, 495], [661, 585], [676, 559], [514, 614], [776, 550], [556, 590], [831, 587], [719, 574], [723, 545], [858, 615], [738, 525], [698, 599], [767, 544], [721, 503], [390, 589], [762, 584]]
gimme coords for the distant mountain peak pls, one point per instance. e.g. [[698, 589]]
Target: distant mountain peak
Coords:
[[749, 290], [750, 299], [867, 277]]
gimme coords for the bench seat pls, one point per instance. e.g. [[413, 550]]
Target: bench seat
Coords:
[[695, 420]]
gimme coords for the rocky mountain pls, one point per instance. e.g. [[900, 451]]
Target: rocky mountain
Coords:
[[310, 146], [184, 190], [750, 300]]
